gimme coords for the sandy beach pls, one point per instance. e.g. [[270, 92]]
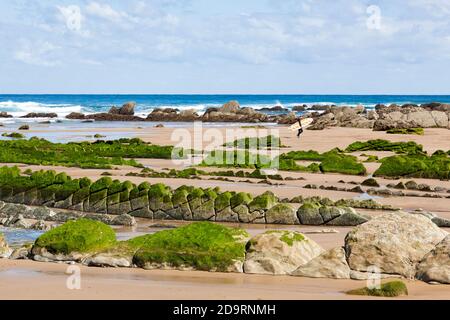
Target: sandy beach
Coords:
[[32, 280]]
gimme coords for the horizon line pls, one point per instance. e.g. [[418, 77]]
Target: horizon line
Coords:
[[229, 94]]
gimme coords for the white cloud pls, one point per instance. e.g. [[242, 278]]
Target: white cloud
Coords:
[[39, 54], [105, 11]]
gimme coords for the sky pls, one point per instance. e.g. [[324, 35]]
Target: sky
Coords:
[[233, 46]]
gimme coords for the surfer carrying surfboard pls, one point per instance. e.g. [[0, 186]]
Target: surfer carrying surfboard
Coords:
[[301, 124], [300, 130]]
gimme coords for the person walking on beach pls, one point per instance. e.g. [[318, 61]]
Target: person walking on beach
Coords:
[[300, 130]]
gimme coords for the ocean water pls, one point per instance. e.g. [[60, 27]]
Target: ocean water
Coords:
[[19, 105]]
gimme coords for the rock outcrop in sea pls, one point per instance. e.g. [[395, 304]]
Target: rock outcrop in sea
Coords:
[[432, 115]]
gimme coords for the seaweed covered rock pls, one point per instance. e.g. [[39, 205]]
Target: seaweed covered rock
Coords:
[[279, 252], [395, 242], [309, 214], [329, 264], [222, 206], [281, 214], [263, 202], [199, 245], [435, 266], [73, 241], [389, 289]]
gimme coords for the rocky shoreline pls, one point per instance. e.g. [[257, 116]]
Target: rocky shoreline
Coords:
[[383, 118], [229, 112]]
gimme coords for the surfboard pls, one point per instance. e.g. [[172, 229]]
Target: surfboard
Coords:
[[305, 123]]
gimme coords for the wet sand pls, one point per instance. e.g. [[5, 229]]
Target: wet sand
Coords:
[[32, 280]]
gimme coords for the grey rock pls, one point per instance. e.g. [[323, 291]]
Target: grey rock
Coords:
[[330, 264]]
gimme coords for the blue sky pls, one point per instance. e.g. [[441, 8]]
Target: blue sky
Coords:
[[209, 46]]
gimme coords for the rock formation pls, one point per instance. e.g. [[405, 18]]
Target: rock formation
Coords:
[[394, 242], [279, 252]]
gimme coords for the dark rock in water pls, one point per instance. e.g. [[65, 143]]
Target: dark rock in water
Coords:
[[300, 108], [114, 110], [4, 114], [274, 109], [24, 127], [75, 116], [126, 110], [40, 115], [170, 114], [320, 107], [159, 125], [436, 106], [112, 117]]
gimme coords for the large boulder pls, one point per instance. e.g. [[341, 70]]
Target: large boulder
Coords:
[[126, 110], [395, 243], [435, 266], [330, 264], [230, 107], [279, 252]]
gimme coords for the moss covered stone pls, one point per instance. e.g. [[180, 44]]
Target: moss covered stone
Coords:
[[201, 245], [309, 214], [223, 201], [416, 131], [384, 145], [415, 165], [263, 202], [241, 198], [389, 289], [81, 236], [281, 213]]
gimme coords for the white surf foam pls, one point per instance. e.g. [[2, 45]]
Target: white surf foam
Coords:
[[18, 109]]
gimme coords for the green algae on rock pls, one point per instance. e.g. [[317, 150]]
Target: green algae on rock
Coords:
[[389, 289]]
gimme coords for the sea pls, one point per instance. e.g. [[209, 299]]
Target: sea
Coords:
[[63, 104]]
